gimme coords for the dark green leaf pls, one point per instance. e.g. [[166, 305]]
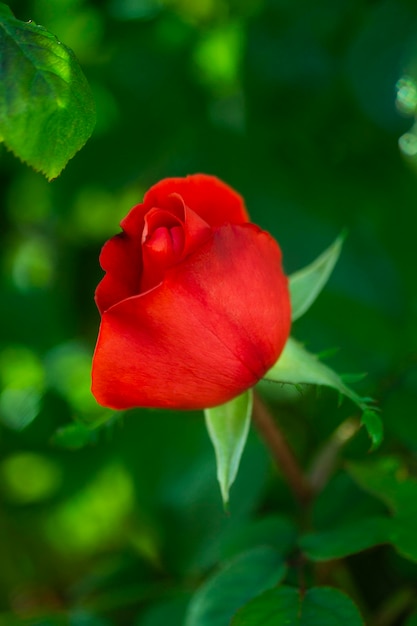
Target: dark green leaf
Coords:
[[47, 111], [342, 502], [320, 606], [236, 583], [388, 480], [350, 539]]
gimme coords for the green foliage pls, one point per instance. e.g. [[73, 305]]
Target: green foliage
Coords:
[[47, 110], [388, 480], [285, 605], [350, 539], [236, 583]]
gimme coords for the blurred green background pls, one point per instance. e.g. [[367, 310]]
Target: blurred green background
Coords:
[[307, 109]]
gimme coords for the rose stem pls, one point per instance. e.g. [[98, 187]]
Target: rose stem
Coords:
[[278, 446]]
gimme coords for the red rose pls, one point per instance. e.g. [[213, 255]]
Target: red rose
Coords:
[[194, 304]]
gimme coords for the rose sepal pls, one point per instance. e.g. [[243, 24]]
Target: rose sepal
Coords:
[[228, 428], [306, 284], [297, 366]]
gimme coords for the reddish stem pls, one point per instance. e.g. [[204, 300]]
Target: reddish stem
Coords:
[[283, 455]]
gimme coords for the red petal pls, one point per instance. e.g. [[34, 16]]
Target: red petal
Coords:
[[209, 197], [196, 230], [121, 258], [162, 246], [212, 329]]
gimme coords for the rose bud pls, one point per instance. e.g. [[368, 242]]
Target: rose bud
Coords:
[[194, 305]]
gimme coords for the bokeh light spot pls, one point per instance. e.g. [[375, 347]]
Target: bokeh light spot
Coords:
[[21, 368], [408, 144], [93, 516], [406, 101], [218, 55], [97, 212], [19, 407], [80, 27], [22, 384], [68, 369], [32, 264], [200, 11], [28, 477]]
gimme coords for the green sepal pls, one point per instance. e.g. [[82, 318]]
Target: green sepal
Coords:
[[296, 366], [306, 284], [228, 427]]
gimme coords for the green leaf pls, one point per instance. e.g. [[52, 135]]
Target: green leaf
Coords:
[[47, 111], [320, 606], [306, 284], [228, 427], [350, 539], [242, 579], [296, 366], [387, 479]]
